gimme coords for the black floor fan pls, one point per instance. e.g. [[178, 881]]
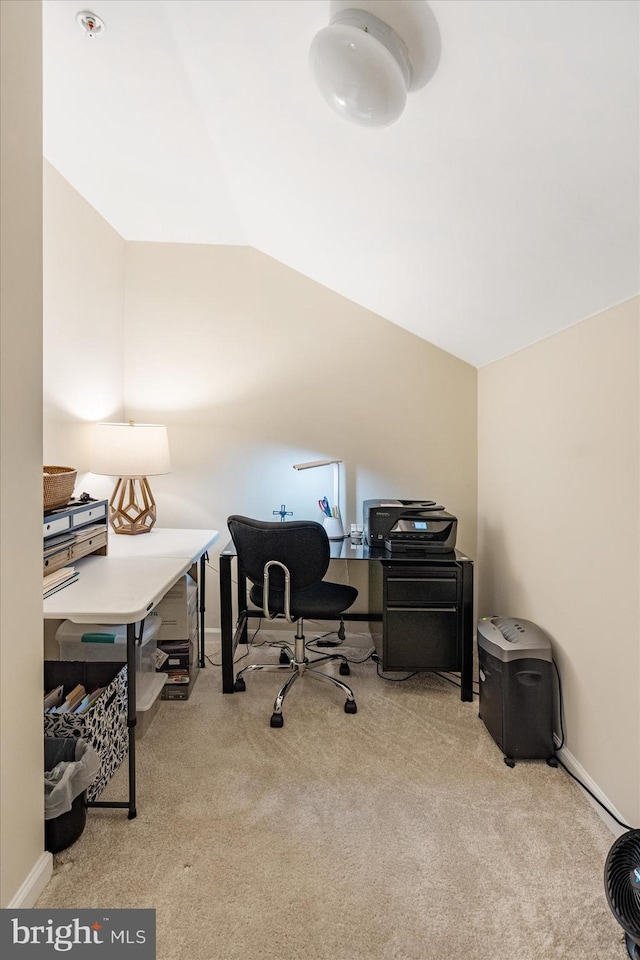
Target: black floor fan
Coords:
[[622, 885]]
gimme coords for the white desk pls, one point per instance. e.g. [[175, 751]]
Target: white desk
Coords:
[[124, 587], [115, 589], [170, 542], [163, 542]]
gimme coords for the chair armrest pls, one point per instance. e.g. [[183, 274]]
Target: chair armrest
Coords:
[[287, 590]]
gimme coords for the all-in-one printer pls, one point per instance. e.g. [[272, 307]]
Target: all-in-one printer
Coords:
[[403, 526]]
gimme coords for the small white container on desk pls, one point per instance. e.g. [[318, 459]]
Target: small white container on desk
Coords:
[[333, 526]]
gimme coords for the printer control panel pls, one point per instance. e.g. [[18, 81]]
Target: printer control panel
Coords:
[[420, 529]]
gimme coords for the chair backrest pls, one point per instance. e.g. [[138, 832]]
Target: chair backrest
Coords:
[[301, 545]]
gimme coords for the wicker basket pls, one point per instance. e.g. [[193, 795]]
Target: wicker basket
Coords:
[[58, 486]]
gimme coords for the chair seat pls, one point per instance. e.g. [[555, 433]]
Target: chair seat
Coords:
[[319, 601]]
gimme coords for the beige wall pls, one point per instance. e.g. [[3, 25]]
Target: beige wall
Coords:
[[83, 324], [21, 737], [255, 367], [558, 487], [83, 360]]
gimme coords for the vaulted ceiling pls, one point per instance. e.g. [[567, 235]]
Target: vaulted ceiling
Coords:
[[502, 206]]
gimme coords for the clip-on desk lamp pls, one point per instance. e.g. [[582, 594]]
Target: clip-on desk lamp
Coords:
[[333, 525]]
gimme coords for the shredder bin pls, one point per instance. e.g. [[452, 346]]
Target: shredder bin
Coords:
[[516, 688], [70, 767]]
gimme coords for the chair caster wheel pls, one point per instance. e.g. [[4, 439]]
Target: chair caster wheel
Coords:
[[552, 761], [350, 707], [239, 686], [284, 657], [277, 720], [509, 762], [344, 669]]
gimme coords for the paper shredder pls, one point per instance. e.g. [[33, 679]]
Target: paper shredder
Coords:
[[516, 688]]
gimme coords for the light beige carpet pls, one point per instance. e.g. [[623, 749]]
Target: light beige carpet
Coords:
[[394, 834]]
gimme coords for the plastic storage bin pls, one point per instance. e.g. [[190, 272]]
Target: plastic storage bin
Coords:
[[79, 641], [148, 696], [107, 641]]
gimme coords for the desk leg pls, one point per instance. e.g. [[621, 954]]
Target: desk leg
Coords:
[[466, 677], [226, 624], [201, 595], [132, 712], [243, 636]]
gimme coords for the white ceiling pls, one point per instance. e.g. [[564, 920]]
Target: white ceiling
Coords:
[[500, 208]]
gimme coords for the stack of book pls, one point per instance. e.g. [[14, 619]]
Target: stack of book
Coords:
[[177, 676], [174, 659], [77, 701], [57, 543], [55, 581]]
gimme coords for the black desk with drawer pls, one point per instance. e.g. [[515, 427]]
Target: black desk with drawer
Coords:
[[420, 610]]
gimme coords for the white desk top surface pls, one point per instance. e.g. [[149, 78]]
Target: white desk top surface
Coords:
[[163, 542], [126, 585], [115, 589]]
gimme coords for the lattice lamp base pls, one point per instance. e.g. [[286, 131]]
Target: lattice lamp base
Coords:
[[132, 509]]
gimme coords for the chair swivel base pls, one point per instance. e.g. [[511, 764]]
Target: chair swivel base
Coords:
[[298, 668]]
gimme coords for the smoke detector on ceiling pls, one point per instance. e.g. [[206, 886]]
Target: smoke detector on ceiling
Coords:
[[90, 23]]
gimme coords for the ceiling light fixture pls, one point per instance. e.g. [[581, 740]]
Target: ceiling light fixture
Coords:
[[90, 23], [362, 68]]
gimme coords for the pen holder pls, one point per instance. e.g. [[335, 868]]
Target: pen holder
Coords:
[[333, 526]]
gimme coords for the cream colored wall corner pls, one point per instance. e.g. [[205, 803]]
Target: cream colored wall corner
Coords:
[[83, 337], [83, 327], [254, 367], [559, 527], [24, 867]]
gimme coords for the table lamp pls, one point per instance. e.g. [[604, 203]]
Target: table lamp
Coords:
[[131, 452], [332, 524]]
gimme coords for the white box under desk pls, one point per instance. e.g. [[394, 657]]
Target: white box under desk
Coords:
[[172, 542]]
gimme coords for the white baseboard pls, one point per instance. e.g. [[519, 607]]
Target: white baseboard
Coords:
[[578, 770], [34, 884]]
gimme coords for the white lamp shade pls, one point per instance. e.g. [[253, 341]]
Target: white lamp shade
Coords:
[[361, 68], [130, 449]]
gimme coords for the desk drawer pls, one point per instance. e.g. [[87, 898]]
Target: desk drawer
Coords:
[[439, 588], [56, 560], [90, 515], [59, 525], [421, 640], [89, 545]]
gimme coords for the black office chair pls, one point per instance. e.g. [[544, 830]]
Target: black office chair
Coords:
[[286, 562]]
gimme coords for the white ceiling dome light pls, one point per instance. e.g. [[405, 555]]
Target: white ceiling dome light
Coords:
[[362, 68]]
